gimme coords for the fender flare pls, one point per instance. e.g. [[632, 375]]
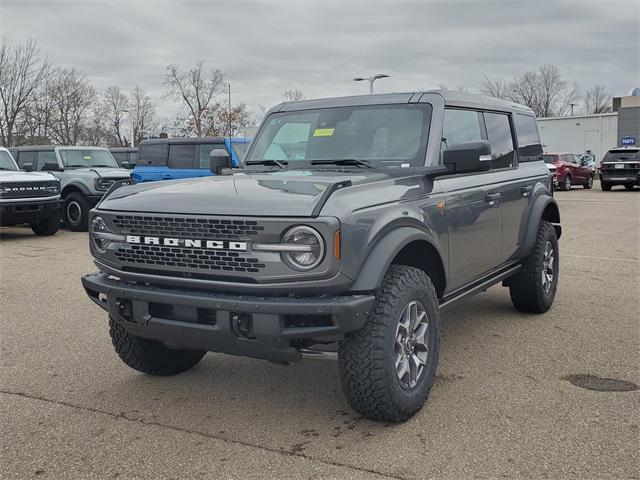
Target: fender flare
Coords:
[[75, 186], [382, 254], [543, 206]]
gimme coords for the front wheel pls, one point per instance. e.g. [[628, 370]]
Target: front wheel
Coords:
[[533, 287], [76, 212], [566, 184], [388, 367], [588, 185], [151, 356], [48, 226]]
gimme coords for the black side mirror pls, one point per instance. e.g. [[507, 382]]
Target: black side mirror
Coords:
[[468, 157], [54, 167], [27, 167], [219, 159], [126, 165]]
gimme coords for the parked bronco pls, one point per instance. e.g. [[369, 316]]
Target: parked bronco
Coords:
[[28, 197], [85, 173], [354, 220]]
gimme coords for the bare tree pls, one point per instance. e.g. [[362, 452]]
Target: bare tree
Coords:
[[143, 111], [496, 87], [232, 122], [22, 70], [73, 96], [597, 100], [115, 107], [197, 90], [293, 95], [458, 88]]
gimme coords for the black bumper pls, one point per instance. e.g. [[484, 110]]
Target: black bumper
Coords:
[[252, 326], [620, 179], [21, 211]]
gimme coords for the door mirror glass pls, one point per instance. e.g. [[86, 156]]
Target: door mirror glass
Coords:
[[468, 157], [219, 159]]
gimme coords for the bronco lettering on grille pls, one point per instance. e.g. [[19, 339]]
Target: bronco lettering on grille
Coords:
[[187, 242]]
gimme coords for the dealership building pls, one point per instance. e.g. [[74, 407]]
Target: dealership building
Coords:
[[595, 133]]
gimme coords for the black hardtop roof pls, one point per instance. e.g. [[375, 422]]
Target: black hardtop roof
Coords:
[[451, 98], [183, 140], [123, 149], [39, 148]]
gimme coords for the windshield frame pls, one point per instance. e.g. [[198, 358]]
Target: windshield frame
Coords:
[[11, 160], [308, 164], [62, 150]]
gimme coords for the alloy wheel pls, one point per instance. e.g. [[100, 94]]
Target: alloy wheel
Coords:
[[411, 348], [74, 213], [548, 260]]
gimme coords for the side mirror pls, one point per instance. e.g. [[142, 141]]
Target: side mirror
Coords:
[[126, 165], [219, 159], [54, 167], [27, 167], [468, 157]]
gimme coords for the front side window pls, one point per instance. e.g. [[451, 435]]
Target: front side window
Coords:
[[381, 135], [460, 126], [87, 158], [529, 144], [501, 140], [6, 161], [26, 157], [46, 161], [181, 156]]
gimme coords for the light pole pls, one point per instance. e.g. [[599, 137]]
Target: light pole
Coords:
[[572, 105], [229, 113], [131, 125], [371, 79]]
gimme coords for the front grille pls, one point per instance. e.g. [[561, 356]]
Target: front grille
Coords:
[[194, 258], [187, 227], [29, 189]]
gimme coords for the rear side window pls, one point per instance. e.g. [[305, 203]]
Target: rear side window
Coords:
[[133, 157], [204, 151], [27, 157], [181, 156], [501, 140], [460, 126], [46, 161], [529, 144], [120, 157], [153, 154]]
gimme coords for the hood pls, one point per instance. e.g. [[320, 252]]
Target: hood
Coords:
[[105, 172], [284, 193], [20, 176]]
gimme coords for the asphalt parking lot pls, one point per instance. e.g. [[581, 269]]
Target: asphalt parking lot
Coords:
[[502, 405]]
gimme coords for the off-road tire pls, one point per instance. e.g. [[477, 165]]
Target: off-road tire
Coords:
[[151, 356], [588, 184], [605, 186], [565, 185], [366, 358], [525, 287], [81, 201], [48, 226], [629, 187]]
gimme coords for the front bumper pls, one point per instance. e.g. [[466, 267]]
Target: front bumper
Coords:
[[252, 326], [18, 211]]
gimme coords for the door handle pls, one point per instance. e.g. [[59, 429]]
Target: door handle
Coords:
[[493, 199], [526, 190]]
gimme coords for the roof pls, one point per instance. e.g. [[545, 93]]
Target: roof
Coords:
[[123, 149], [183, 140], [451, 98], [39, 148]]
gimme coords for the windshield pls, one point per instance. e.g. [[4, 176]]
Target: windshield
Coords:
[[6, 161], [379, 134], [90, 157]]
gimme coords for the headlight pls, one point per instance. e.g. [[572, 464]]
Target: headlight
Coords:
[[53, 188], [103, 183], [306, 248], [100, 235]]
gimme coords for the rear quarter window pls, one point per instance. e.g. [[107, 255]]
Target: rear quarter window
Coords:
[[152, 154], [529, 144]]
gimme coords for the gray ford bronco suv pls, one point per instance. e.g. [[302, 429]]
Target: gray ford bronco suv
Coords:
[[28, 197], [353, 221], [85, 174]]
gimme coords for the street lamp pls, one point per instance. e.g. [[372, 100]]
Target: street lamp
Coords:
[[131, 125], [371, 79]]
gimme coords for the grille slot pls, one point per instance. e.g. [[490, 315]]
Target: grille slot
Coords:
[[194, 258], [188, 227], [31, 189]]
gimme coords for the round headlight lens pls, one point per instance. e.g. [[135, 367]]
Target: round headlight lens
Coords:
[[311, 248], [98, 225]]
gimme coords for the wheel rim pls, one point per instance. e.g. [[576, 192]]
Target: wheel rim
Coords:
[[567, 182], [411, 347], [590, 181], [74, 212], [548, 260]]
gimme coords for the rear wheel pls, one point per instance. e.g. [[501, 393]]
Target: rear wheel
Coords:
[[533, 288], [76, 212], [48, 226], [566, 184], [589, 183], [388, 367], [151, 356], [606, 186], [629, 187]]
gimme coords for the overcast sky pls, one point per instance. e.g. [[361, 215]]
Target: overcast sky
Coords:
[[266, 47]]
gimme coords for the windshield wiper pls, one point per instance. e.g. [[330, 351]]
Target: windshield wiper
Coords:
[[97, 166], [343, 161], [280, 163]]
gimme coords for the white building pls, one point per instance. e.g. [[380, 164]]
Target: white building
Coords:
[[597, 133]]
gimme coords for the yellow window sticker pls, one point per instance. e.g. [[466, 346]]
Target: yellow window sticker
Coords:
[[87, 157], [323, 132]]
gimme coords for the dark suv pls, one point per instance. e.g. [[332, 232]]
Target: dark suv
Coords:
[[354, 220], [620, 166]]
